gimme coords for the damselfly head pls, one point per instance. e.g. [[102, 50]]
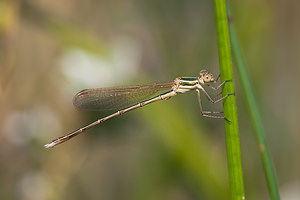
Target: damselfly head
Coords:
[[206, 77]]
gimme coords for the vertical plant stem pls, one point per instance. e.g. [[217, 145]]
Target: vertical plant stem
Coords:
[[254, 116], [229, 104]]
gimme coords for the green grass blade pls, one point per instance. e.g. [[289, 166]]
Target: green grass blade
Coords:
[[254, 116], [229, 104]]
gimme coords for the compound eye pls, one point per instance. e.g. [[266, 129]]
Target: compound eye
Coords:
[[207, 78], [203, 72]]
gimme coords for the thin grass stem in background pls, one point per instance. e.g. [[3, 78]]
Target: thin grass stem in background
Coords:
[[254, 115]]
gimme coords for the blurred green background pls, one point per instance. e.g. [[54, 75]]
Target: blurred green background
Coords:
[[49, 50]]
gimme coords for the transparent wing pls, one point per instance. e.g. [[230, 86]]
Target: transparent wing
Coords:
[[117, 97]]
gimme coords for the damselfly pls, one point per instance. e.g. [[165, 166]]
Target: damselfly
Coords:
[[122, 97]]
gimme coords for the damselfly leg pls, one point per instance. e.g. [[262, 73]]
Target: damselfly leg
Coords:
[[220, 85], [212, 100]]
